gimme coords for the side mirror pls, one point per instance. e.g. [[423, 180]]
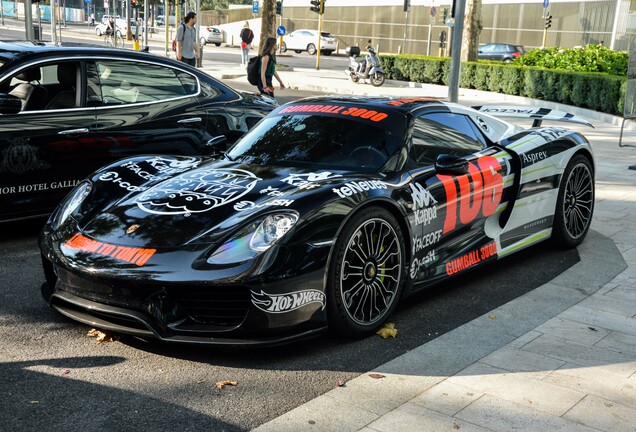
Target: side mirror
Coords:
[[217, 145], [10, 104], [448, 164]]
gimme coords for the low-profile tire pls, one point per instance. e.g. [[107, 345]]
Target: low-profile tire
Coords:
[[575, 203], [311, 49], [366, 274]]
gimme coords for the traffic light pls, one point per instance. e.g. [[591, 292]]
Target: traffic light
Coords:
[[279, 7], [318, 6], [548, 21]]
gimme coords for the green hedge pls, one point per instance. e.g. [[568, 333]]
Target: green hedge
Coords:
[[597, 91]]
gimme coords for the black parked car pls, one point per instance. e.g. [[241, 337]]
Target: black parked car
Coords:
[[327, 212], [68, 110], [500, 51]]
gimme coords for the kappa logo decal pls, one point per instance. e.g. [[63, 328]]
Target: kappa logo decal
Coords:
[[197, 191], [281, 303]]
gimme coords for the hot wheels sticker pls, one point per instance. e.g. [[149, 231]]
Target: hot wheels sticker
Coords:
[[281, 303]]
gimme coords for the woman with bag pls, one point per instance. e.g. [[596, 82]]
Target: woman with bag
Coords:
[[247, 35], [268, 68]]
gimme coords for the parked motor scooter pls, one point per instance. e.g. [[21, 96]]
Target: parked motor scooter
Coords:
[[367, 68]]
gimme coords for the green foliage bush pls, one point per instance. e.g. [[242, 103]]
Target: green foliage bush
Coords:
[[591, 58], [603, 92]]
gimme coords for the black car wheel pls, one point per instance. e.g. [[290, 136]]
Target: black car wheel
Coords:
[[297, 51], [311, 49], [366, 273], [217, 44], [575, 203]]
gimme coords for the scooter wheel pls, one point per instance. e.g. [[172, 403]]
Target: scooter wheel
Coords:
[[377, 79], [354, 77]]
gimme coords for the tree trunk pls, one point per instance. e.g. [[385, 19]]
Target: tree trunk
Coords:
[[268, 21], [472, 30]]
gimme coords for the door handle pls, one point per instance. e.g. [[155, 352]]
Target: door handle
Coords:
[[73, 131], [190, 120]]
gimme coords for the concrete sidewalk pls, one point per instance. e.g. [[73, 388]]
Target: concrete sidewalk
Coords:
[[562, 357]]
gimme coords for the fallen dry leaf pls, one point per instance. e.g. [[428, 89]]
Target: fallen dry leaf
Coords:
[[222, 384], [456, 426], [388, 330], [341, 383], [492, 316], [65, 372], [376, 375], [102, 335]]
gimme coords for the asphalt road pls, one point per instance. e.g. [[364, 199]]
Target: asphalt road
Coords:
[[56, 378]]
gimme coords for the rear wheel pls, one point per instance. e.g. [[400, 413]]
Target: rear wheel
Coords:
[[311, 49], [575, 203], [283, 47], [366, 275], [203, 41], [297, 51], [217, 44], [327, 52]]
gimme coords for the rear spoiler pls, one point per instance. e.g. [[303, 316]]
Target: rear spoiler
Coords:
[[537, 114]]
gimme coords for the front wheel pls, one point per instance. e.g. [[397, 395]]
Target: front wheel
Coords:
[[311, 49], [377, 79], [203, 41], [366, 274], [575, 203], [283, 47]]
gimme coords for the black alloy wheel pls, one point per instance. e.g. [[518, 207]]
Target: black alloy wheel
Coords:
[[367, 274], [575, 203]]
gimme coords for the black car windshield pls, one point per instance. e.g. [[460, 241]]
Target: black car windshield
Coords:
[[317, 140]]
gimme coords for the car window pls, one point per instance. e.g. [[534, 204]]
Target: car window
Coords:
[[124, 82], [443, 133], [325, 34], [47, 86], [487, 48], [315, 140]]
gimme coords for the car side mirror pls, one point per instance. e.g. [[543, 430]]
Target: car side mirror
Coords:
[[217, 145], [449, 164], [10, 104]]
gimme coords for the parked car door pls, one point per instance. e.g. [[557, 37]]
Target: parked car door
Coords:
[[450, 208], [45, 146]]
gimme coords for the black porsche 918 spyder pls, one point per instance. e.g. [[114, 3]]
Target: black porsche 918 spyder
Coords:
[[325, 214]]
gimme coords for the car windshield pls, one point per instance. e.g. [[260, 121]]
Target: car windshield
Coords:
[[315, 140]]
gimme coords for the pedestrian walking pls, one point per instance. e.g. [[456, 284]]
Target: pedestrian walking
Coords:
[[187, 48], [92, 19], [268, 68], [247, 36]]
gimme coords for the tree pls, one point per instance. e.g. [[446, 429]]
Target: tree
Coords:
[[472, 30], [268, 21]]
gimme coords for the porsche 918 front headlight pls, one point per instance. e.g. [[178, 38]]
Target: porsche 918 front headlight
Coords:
[[256, 238], [71, 203]]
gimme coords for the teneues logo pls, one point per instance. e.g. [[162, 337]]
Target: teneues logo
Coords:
[[281, 303]]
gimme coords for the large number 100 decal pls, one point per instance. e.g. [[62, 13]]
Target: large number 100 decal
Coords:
[[487, 189]]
